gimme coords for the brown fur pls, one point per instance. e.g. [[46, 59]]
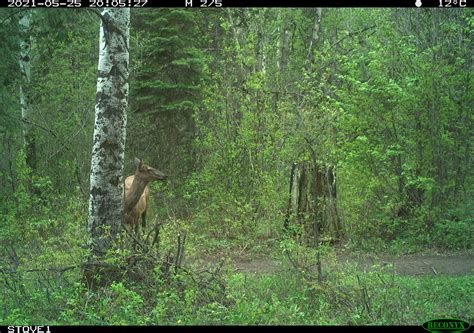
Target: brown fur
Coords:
[[137, 193], [133, 217]]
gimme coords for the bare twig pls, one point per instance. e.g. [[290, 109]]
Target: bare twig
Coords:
[[12, 14], [365, 296], [178, 251]]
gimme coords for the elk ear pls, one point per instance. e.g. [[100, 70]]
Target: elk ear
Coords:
[[137, 162]]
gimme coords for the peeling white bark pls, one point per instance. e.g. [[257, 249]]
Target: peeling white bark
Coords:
[[285, 50], [106, 178], [314, 39], [25, 83]]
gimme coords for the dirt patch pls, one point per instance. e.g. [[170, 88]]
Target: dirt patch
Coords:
[[415, 265], [259, 266], [241, 265], [431, 265]]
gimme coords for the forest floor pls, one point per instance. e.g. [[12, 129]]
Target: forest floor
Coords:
[[413, 265]]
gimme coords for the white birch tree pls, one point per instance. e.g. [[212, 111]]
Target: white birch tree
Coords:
[[25, 91], [106, 180]]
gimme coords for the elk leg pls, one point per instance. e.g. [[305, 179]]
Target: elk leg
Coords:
[[144, 220]]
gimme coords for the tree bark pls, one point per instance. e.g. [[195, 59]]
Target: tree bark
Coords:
[[306, 204], [106, 178], [260, 47], [285, 48], [25, 91], [314, 39]]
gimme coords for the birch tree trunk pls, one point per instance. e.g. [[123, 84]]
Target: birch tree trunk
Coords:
[[314, 39], [25, 83], [106, 179], [285, 48]]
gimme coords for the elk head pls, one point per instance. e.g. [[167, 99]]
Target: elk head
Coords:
[[146, 173]]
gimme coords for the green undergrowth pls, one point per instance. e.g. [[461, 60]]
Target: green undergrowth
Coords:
[[344, 297], [43, 244]]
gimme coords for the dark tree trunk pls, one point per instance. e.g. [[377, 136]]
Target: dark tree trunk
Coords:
[[312, 202]]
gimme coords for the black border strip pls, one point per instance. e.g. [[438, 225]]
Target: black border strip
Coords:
[[162, 329], [446, 4]]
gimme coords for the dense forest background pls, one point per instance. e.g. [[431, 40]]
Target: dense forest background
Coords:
[[285, 133]]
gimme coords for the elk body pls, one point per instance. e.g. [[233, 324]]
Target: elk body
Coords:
[[136, 193]]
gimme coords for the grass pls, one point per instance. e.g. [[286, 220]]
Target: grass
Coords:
[[347, 297]]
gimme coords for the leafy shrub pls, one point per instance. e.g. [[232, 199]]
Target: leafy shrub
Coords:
[[453, 235]]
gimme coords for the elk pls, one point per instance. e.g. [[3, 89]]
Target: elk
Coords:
[[136, 193]]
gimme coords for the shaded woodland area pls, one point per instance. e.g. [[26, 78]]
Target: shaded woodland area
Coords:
[[302, 135]]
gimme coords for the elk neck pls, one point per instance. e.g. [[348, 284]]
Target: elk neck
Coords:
[[135, 192]]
